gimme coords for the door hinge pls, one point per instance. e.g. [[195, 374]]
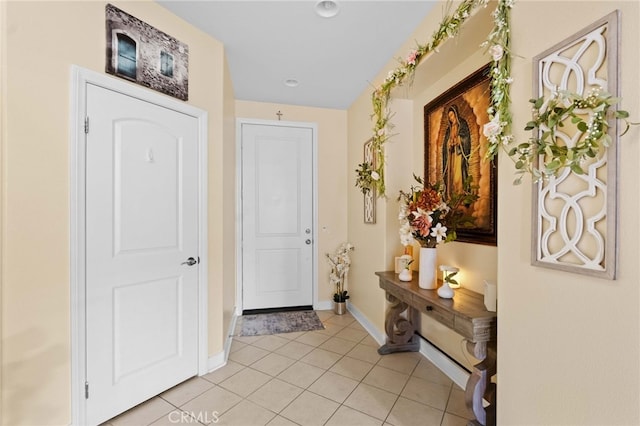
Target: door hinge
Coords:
[[86, 125], [86, 390]]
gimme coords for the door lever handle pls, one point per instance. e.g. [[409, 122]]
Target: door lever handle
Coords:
[[190, 261]]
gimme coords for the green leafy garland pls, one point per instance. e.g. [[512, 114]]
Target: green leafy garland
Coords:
[[449, 28], [553, 113], [547, 115]]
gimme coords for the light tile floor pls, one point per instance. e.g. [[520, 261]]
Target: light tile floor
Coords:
[[327, 377]]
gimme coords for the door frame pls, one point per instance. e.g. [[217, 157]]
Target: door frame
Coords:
[[80, 78], [314, 235]]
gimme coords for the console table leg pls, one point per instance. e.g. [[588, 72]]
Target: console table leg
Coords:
[[479, 386], [400, 331]]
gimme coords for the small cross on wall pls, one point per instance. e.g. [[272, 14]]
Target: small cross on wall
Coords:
[[279, 114]]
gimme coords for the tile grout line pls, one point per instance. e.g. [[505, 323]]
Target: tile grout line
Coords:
[[362, 357]]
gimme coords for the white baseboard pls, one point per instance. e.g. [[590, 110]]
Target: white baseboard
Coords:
[[456, 373], [216, 361], [220, 359], [364, 322], [324, 305]]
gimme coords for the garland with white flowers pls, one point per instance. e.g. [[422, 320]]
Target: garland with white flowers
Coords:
[[548, 114], [498, 43]]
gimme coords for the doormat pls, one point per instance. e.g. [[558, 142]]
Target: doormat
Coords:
[[280, 322]]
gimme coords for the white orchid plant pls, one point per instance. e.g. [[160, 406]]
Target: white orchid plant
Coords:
[[340, 263]]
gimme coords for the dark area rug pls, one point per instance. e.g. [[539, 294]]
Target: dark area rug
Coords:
[[279, 322]]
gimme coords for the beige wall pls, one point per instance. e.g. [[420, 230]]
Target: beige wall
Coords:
[[332, 173], [3, 138], [569, 345], [229, 204], [43, 40]]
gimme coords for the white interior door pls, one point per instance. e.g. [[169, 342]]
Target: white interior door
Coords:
[[277, 216], [141, 226]]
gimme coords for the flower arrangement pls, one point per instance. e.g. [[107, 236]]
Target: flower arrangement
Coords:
[[340, 263], [425, 216]]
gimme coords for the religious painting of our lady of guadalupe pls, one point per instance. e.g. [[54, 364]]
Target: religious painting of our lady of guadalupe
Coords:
[[455, 150]]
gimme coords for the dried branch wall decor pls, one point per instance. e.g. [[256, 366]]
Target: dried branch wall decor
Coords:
[[575, 211]]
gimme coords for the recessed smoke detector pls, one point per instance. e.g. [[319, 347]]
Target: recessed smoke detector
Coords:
[[327, 8], [291, 82]]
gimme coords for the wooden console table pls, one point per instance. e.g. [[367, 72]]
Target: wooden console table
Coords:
[[465, 314]]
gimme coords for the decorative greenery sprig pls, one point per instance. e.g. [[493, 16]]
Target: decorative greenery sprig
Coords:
[[367, 177], [589, 115], [448, 278], [498, 130]]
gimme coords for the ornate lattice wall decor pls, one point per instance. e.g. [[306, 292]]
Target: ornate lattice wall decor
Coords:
[[370, 196], [575, 215]]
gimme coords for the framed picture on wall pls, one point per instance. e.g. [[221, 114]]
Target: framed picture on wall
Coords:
[[455, 149], [140, 53]]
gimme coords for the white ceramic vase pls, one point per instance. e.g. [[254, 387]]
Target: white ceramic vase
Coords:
[[445, 291], [427, 277], [405, 275]]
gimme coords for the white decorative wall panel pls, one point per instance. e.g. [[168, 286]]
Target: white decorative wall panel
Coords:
[[575, 215]]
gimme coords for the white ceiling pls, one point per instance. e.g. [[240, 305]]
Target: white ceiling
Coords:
[[334, 59]]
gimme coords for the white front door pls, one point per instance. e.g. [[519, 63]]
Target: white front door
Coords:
[[141, 228], [277, 216]]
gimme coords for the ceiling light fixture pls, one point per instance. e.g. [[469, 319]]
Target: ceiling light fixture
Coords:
[[291, 82], [327, 8]]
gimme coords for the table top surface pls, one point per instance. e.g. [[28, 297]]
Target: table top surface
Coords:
[[465, 303]]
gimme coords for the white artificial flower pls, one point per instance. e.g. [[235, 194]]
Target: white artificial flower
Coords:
[[406, 237], [443, 207], [422, 212], [375, 175], [492, 128], [439, 231], [496, 52]]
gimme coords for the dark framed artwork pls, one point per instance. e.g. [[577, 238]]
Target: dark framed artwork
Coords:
[[140, 53], [455, 148], [370, 195]]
